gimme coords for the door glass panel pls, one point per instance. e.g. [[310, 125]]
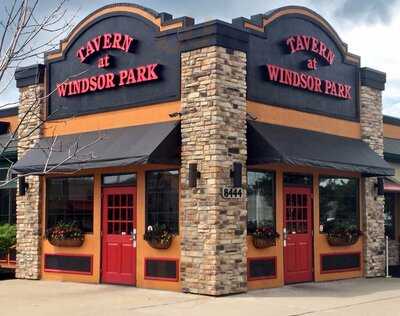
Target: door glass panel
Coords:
[[120, 214], [296, 213]]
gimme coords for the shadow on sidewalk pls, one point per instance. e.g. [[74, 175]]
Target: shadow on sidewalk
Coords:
[[7, 274], [343, 288]]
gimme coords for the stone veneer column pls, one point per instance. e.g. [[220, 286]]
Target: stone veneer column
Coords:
[[213, 255], [371, 119], [31, 110]]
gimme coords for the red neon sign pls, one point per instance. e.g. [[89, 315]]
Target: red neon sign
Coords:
[[307, 82], [110, 80], [104, 42], [299, 43]]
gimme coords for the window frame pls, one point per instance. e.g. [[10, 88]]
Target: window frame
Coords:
[[118, 185], [392, 236], [146, 196], [274, 190], [47, 202], [358, 198]]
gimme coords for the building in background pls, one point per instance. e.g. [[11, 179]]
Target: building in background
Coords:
[[392, 190], [221, 134], [8, 189]]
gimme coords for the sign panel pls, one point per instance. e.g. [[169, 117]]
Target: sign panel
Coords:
[[116, 61], [299, 64]]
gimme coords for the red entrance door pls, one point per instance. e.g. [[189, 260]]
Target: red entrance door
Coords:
[[298, 254], [119, 236]]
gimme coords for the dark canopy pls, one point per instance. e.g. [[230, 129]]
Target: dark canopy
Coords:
[[154, 143], [271, 143]]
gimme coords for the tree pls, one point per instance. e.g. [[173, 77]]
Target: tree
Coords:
[[26, 33]]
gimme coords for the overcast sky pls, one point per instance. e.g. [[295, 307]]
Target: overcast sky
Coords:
[[369, 27]]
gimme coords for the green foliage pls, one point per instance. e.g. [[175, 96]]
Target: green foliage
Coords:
[[8, 237], [157, 232], [343, 229]]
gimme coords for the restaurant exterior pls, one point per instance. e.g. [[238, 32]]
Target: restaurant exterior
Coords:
[[209, 158]]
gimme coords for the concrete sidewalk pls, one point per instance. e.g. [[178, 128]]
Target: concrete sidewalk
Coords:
[[354, 297]]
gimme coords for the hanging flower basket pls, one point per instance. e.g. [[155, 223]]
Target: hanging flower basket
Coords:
[[160, 244], [264, 236], [341, 234], [158, 236], [342, 240], [65, 235], [67, 242], [261, 243]]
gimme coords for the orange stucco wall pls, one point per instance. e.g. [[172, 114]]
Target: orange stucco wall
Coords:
[[391, 131], [92, 244], [320, 246], [13, 120], [114, 119], [292, 118]]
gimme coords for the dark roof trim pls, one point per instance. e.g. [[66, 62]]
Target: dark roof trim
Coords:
[[31, 75], [373, 78], [391, 120], [9, 112], [213, 33]]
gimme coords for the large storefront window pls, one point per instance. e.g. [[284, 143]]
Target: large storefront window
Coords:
[[390, 205], [338, 202], [8, 193], [70, 200], [260, 203], [8, 206], [162, 199]]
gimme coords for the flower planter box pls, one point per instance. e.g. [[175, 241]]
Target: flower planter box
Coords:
[[340, 241], [67, 242], [160, 244], [261, 243]]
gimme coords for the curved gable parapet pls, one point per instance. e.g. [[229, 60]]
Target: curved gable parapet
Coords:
[[162, 22], [259, 24]]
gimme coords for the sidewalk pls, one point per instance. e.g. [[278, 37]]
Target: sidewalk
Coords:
[[354, 297]]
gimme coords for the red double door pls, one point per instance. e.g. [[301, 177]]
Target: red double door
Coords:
[[119, 236], [298, 247]]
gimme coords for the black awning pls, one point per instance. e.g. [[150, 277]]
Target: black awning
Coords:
[[154, 143], [279, 144]]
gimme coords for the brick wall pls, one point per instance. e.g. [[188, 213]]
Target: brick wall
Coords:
[[373, 221], [213, 257], [28, 206]]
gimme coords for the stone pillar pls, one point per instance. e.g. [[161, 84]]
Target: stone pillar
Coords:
[[30, 113], [213, 257], [371, 120]]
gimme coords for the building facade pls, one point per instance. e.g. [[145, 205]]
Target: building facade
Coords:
[[217, 133]]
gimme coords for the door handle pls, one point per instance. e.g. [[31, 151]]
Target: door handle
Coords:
[[133, 238], [285, 235]]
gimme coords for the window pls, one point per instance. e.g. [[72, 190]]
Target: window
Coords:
[[338, 201], [261, 197], [162, 199], [128, 179], [8, 206], [297, 179], [70, 200], [8, 193], [390, 204]]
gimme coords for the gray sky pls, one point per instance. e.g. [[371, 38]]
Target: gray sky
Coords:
[[369, 27]]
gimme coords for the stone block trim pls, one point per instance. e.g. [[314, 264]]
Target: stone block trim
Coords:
[[371, 122], [30, 114], [213, 246]]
